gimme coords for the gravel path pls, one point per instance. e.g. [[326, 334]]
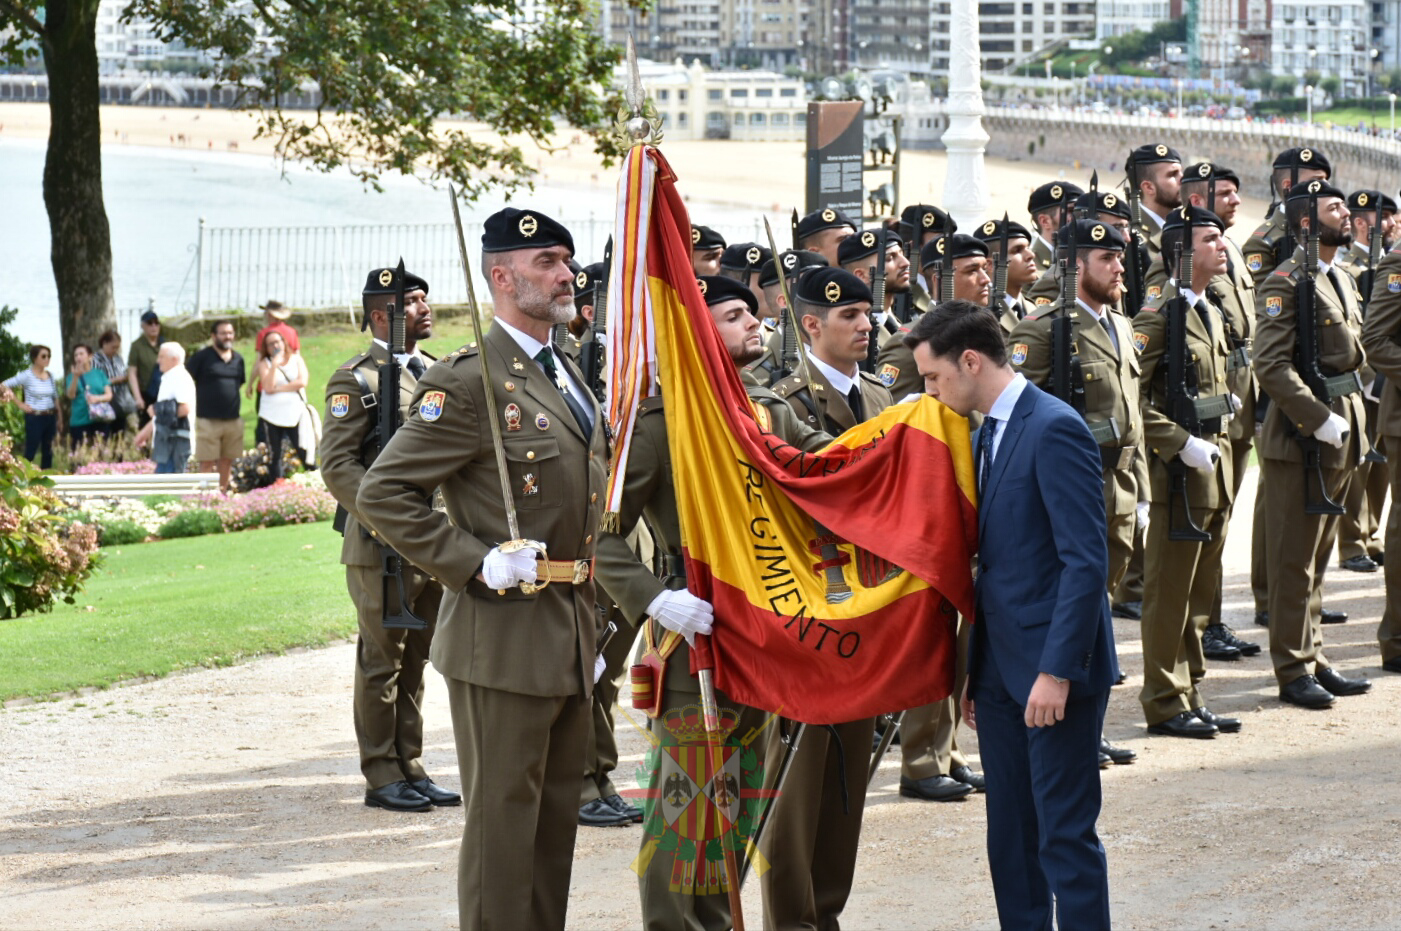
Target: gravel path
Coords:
[[231, 798]]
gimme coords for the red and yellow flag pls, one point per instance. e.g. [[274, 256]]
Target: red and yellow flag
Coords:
[[835, 577]]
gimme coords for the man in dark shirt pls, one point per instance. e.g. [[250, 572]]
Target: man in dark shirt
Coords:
[[142, 359], [218, 372]]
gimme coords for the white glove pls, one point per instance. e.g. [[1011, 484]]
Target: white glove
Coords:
[[1332, 431], [1141, 509], [682, 612], [1199, 454], [1236, 403], [600, 665], [507, 570]]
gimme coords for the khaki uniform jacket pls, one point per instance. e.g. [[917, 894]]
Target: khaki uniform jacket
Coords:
[[1263, 247], [1045, 255], [1111, 384], [1164, 438], [826, 409], [895, 367], [1381, 336], [541, 644], [1013, 315], [347, 449], [649, 491], [1234, 293], [1295, 410]]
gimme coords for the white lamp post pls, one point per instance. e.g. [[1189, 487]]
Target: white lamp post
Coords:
[[965, 183], [1308, 102]]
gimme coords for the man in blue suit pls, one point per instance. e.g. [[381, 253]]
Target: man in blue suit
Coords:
[[1042, 658]]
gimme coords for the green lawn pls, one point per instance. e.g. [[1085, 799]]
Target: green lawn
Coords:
[[202, 601], [332, 345], [1351, 116]]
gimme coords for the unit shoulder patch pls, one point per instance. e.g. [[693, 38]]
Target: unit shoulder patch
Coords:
[[430, 407], [1019, 353], [1140, 341], [1274, 306]]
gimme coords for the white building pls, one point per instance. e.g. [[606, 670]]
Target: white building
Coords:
[[1116, 17], [1012, 31], [1332, 37], [697, 103]]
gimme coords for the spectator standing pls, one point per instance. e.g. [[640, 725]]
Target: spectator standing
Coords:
[[275, 321], [170, 416], [86, 386], [218, 371], [40, 405], [109, 360], [141, 365], [281, 375]]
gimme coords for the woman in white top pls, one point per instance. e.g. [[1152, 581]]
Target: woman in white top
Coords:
[[282, 375], [40, 405]]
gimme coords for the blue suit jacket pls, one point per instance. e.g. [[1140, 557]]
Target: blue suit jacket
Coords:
[[1043, 555]]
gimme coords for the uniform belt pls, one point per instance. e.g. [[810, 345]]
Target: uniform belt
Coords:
[[572, 571], [1118, 458], [673, 566]]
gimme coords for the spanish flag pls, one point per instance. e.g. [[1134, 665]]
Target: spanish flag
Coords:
[[836, 577]]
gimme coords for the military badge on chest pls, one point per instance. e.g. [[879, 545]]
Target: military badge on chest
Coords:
[[513, 417], [531, 486]]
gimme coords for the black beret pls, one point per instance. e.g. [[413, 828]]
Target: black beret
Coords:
[[586, 280], [1177, 218], [831, 287], [927, 218], [864, 243], [703, 237], [794, 261], [1316, 188], [510, 229], [1303, 157], [745, 257], [1104, 202], [991, 231], [1052, 194], [825, 219], [1207, 171], [1091, 234], [1367, 201], [716, 289], [381, 281], [1152, 154], [961, 246]]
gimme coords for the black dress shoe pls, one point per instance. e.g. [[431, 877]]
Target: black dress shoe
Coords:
[[1185, 724], [599, 814], [1392, 665], [397, 796], [1262, 619], [1334, 617], [965, 775], [935, 789], [1132, 610], [1104, 761], [436, 793], [1214, 646], [1224, 725], [1228, 636], [1306, 693], [1119, 755], [622, 806], [1359, 563], [1338, 685], [1379, 558]]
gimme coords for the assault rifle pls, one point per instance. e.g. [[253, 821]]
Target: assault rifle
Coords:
[[1067, 375], [1285, 250], [904, 305], [1133, 255], [591, 352], [393, 566], [877, 305], [996, 304], [1306, 360], [946, 263]]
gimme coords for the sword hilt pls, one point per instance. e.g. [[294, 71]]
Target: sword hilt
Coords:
[[515, 546]]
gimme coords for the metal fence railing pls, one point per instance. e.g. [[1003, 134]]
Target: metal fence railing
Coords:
[[320, 267]]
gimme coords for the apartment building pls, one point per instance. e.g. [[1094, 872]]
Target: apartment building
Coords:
[[1012, 31]]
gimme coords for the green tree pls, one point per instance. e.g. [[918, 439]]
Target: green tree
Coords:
[[1331, 85], [1284, 85], [385, 73]]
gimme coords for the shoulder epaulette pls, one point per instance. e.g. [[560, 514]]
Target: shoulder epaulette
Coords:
[[461, 352], [355, 361], [650, 404], [790, 385], [1042, 311]]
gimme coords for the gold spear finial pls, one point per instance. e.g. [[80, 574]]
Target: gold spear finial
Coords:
[[638, 120]]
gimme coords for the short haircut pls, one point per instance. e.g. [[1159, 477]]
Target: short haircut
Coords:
[[77, 346], [489, 261], [806, 308], [174, 350], [109, 336], [38, 348], [953, 327], [214, 327]]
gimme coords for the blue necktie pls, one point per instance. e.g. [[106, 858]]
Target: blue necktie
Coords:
[[985, 438]]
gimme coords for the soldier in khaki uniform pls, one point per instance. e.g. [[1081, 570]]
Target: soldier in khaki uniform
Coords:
[[389, 663], [773, 316], [706, 248], [1108, 208], [858, 255], [520, 667], [823, 230], [1181, 575], [1022, 268], [1381, 335], [1208, 185], [672, 615], [1049, 206], [972, 281], [1359, 541], [1297, 542], [744, 262], [811, 841]]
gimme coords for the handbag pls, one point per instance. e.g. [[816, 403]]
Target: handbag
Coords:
[[100, 411]]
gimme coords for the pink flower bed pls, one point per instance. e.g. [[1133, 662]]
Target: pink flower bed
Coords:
[[273, 506], [139, 467]]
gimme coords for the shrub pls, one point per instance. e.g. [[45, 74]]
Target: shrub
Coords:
[[43, 555], [134, 467], [277, 505], [121, 533], [195, 522]]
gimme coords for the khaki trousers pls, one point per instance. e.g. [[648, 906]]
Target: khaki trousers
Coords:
[[1389, 630], [1297, 546], [811, 841], [389, 667], [1359, 528], [1240, 457], [928, 734], [520, 757]]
